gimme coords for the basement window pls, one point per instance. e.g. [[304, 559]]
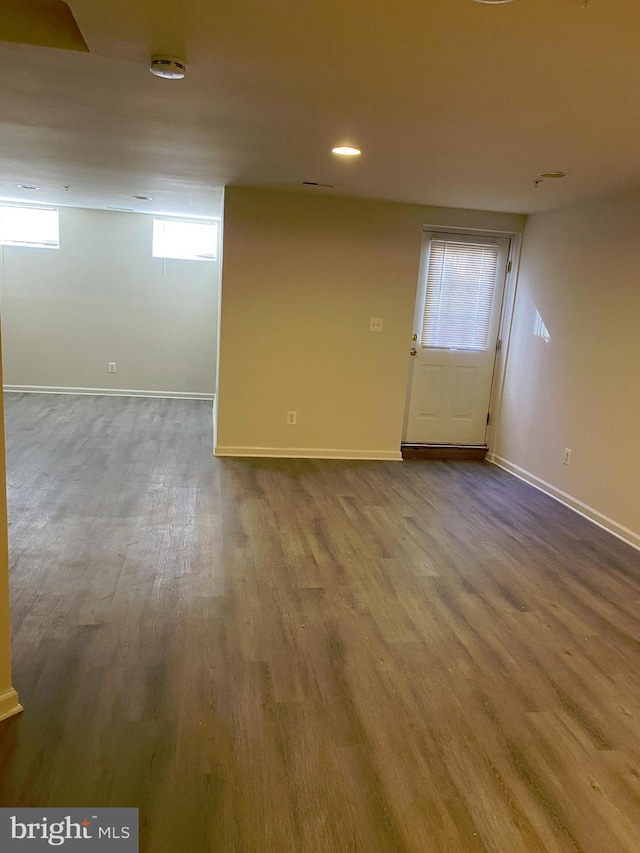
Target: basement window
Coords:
[[30, 227], [185, 239]]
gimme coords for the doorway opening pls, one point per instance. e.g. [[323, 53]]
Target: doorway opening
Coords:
[[456, 338]]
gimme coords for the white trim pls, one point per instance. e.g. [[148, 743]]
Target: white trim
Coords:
[[593, 515], [506, 329], [106, 392], [472, 230], [309, 453], [9, 704], [214, 417]]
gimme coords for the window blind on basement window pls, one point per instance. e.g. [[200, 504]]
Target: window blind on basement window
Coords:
[[459, 296]]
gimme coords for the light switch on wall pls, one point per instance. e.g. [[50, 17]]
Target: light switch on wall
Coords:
[[375, 324]]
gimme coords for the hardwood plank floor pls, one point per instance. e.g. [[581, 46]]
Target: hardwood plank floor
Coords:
[[286, 655]]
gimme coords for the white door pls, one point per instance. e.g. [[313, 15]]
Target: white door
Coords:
[[457, 317]]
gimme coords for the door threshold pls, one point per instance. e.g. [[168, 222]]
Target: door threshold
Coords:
[[471, 452]]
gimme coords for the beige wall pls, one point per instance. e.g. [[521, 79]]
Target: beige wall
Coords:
[[102, 297], [580, 269], [301, 277], [8, 697]]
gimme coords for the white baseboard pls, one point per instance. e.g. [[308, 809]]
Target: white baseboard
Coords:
[[629, 536], [9, 704], [106, 392], [309, 453]]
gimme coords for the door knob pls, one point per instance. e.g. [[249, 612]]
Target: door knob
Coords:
[[413, 351], [414, 337]]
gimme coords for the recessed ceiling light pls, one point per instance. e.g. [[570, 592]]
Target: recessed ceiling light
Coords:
[[27, 187], [552, 175], [346, 151], [142, 197]]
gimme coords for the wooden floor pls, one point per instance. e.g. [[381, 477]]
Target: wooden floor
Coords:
[[273, 656]]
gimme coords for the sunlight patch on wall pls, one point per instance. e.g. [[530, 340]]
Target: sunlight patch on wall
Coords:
[[539, 328]]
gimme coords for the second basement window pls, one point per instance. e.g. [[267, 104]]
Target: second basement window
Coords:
[[184, 239], [30, 227]]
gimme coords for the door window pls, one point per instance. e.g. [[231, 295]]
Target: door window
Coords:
[[461, 279]]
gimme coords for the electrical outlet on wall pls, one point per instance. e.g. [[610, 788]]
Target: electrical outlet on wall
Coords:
[[567, 456], [375, 324], [111, 367], [292, 418]]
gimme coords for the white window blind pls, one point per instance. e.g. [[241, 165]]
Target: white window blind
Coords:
[[33, 227], [184, 239], [460, 286]]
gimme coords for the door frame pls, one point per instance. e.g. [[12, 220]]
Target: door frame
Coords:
[[505, 324]]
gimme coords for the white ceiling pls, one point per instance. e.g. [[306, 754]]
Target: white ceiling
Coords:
[[453, 102]]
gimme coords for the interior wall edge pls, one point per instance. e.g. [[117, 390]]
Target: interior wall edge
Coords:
[[9, 704], [630, 537], [107, 392]]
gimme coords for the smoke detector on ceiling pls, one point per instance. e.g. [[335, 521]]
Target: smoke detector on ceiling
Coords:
[[168, 67]]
